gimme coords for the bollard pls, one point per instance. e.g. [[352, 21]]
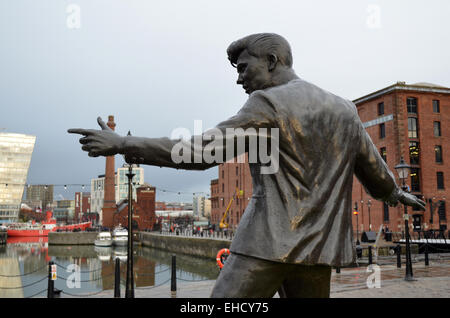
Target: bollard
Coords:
[[398, 250], [427, 262], [117, 279], [370, 255], [173, 279], [338, 270], [51, 283]]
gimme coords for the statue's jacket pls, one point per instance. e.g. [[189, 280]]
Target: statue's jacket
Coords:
[[300, 212]]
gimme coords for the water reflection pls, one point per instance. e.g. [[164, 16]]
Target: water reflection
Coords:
[[24, 263]]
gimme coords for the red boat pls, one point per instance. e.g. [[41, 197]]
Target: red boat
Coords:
[[49, 225]]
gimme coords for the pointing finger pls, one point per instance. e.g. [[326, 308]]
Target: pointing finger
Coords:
[[80, 131]]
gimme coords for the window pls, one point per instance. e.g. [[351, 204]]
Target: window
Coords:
[[223, 174], [386, 212], [380, 108], [440, 180], [441, 211], [412, 127], [436, 106], [382, 131], [237, 171], [438, 153], [237, 183], [414, 152], [411, 105], [437, 128], [383, 153], [415, 179], [223, 187]]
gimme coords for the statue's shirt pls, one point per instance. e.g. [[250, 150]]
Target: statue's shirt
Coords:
[[303, 212]]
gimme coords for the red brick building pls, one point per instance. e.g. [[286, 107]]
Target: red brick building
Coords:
[[234, 180], [160, 206], [82, 204], [144, 217], [413, 122]]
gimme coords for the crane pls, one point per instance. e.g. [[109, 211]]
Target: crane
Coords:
[[223, 224]]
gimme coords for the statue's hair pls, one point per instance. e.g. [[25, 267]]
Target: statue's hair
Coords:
[[259, 45]]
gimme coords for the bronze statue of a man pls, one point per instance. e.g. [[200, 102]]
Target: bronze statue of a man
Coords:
[[298, 223]]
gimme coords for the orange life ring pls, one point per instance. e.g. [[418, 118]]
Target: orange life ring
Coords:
[[220, 255]]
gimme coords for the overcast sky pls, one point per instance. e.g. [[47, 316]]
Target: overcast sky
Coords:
[[160, 65]]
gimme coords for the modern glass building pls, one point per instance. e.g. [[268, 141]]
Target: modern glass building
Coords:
[[15, 158]]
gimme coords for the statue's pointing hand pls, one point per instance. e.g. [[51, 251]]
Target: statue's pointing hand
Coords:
[[104, 142], [411, 200]]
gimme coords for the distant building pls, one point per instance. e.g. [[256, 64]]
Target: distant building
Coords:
[[179, 206], [122, 181], [64, 210], [144, 217], [15, 158], [82, 204], [201, 206], [413, 122], [97, 194], [40, 192], [160, 206], [207, 208], [121, 187]]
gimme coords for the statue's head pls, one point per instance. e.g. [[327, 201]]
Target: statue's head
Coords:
[[260, 59]]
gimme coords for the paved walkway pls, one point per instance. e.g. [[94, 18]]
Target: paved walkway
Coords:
[[386, 281]]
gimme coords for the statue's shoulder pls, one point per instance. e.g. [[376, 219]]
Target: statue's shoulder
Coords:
[[301, 91], [302, 96]]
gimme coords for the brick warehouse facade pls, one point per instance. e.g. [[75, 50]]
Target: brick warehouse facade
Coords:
[[385, 113], [413, 122]]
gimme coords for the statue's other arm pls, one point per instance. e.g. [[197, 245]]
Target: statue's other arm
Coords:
[[375, 176]]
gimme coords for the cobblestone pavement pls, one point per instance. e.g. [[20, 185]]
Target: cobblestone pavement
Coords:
[[430, 281]]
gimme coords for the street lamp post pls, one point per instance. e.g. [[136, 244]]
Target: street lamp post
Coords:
[[129, 290], [357, 225], [369, 204], [403, 170]]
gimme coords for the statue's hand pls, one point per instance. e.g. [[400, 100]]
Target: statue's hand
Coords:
[[103, 142], [411, 200]]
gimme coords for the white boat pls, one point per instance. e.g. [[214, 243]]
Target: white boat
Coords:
[[120, 236], [103, 239]]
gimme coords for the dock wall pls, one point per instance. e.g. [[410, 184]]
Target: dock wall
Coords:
[[71, 238], [203, 247]]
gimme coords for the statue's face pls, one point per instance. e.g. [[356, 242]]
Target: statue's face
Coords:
[[253, 72]]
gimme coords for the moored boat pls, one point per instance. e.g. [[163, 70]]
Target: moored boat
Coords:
[[42, 229], [120, 236], [103, 239]]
